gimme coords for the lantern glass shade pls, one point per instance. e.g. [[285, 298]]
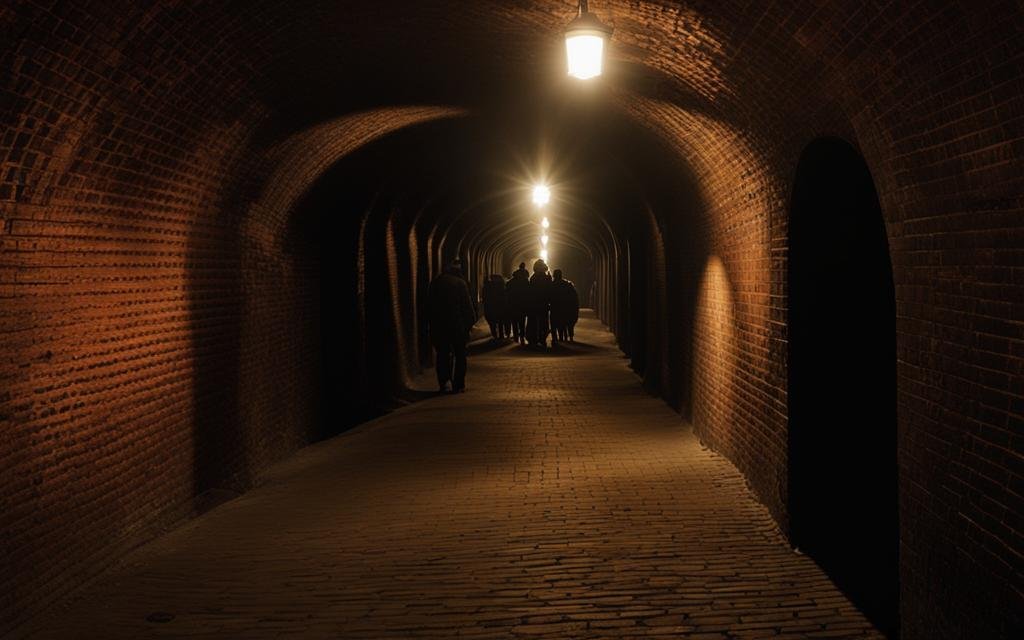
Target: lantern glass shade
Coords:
[[584, 46], [586, 54]]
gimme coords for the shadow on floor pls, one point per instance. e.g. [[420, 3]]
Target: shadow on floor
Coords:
[[409, 396], [558, 350], [486, 345]]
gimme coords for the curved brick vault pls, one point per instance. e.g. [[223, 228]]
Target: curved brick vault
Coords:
[[185, 187]]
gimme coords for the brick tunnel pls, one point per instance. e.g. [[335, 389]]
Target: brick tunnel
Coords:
[[795, 406]]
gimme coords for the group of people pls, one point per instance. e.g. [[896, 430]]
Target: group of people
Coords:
[[528, 308]]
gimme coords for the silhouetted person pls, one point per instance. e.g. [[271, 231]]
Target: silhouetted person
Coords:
[[518, 290], [574, 312], [450, 318], [506, 318], [495, 305], [565, 307], [540, 304]]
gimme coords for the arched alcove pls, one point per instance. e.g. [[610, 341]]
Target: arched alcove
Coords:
[[842, 379]]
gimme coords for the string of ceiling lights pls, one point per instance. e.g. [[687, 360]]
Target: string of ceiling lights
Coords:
[[541, 196], [585, 38]]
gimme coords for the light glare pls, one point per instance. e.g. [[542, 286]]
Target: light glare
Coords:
[[544, 240], [585, 55], [544, 223], [544, 255], [541, 195]]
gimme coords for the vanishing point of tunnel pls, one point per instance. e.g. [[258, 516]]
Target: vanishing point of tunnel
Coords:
[[770, 382]]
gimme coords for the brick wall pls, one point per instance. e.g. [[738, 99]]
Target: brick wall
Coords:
[[115, 154], [159, 316], [932, 96]]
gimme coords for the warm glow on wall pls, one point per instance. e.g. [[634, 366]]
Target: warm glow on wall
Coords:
[[544, 241]]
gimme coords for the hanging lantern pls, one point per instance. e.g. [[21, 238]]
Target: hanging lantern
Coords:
[[585, 39]]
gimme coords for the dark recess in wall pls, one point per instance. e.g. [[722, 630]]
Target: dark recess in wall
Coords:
[[842, 380]]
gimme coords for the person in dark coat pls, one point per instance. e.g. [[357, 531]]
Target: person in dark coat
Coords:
[[573, 307], [521, 271], [450, 317], [565, 307], [518, 290], [495, 305], [556, 315], [540, 304], [506, 318]]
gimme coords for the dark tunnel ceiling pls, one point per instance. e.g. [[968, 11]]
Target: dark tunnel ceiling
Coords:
[[683, 98], [491, 57], [475, 173], [503, 63]]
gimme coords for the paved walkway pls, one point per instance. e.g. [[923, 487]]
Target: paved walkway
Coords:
[[555, 499]]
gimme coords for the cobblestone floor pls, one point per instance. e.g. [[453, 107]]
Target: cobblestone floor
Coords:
[[554, 499]]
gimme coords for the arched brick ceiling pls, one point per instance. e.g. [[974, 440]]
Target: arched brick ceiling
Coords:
[[272, 76], [702, 71], [675, 71], [475, 181], [294, 164], [275, 75]]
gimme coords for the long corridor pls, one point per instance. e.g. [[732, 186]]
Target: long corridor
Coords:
[[554, 499]]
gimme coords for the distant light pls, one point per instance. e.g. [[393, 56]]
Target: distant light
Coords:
[[544, 241], [584, 44], [541, 195], [544, 255], [544, 223]]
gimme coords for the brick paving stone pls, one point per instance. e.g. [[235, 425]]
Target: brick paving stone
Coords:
[[555, 499]]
